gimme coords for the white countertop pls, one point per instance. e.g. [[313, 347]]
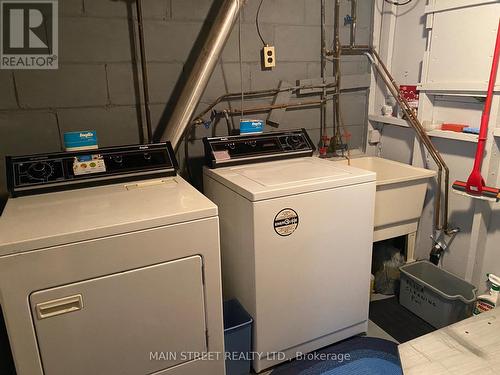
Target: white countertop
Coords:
[[471, 346]]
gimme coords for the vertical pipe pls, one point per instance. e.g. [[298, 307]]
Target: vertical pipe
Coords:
[[202, 71], [354, 18], [144, 68], [323, 71], [336, 72]]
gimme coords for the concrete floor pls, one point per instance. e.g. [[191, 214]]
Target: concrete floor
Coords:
[[373, 331]]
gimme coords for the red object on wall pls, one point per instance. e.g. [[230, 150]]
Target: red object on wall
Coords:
[[411, 94], [453, 127], [475, 185]]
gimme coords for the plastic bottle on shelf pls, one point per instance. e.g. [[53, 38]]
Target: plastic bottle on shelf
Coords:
[[487, 302]]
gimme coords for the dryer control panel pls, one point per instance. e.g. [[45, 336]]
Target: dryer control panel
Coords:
[[35, 174], [244, 149]]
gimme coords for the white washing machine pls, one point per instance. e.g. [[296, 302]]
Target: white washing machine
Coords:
[[296, 240], [109, 278]]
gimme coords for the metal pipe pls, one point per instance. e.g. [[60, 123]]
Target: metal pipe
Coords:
[[202, 71], [394, 89], [336, 73], [438, 194], [412, 119], [258, 93], [415, 123], [411, 113], [323, 70], [237, 112], [354, 17], [355, 50], [424, 138], [235, 95], [144, 69]]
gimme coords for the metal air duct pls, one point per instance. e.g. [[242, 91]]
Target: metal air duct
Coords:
[[202, 71]]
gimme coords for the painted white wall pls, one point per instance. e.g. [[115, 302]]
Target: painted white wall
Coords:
[[474, 251], [401, 43], [409, 42]]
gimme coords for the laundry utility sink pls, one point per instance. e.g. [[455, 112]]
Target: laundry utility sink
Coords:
[[399, 200]]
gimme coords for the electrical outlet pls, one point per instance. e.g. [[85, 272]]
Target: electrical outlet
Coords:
[[268, 57]]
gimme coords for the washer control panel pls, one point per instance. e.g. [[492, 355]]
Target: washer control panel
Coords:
[[36, 174], [88, 164], [243, 149]]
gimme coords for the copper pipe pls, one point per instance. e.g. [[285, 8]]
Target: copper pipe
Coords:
[[237, 112], [423, 137], [438, 195], [235, 95], [258, 93], [426, 138], [421, 134]]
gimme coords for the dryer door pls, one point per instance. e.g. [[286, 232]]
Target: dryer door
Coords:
[[135, 322]]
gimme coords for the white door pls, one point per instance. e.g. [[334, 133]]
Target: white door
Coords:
[[312, 272], [112, 324]]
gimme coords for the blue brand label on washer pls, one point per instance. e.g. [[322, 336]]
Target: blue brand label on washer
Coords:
[[251, 126], [80, 140]]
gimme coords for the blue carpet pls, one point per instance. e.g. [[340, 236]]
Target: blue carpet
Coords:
[[356, 356]]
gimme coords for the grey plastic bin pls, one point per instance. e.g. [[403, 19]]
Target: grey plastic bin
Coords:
[[237, 338], [435, 295]]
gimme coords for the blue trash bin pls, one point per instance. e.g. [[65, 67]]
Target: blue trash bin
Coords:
[[237, 338]]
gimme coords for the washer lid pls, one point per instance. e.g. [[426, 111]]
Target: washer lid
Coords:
[[281, 178], [45, 220]]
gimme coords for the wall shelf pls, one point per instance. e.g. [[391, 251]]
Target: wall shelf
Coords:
[[457, 88], [453, 135], [389, 120]]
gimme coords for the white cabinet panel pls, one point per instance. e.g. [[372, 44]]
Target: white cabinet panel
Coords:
[[461, 48]]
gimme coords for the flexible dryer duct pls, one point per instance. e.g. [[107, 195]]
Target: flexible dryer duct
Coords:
[[202, 71]]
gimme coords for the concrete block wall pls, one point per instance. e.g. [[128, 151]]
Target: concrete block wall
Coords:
[[97, 85]]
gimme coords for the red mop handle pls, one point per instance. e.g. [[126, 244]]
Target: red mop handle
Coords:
[[485, 118]]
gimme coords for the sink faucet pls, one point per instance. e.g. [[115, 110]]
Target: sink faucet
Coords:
[[441, 244], [436, 253]]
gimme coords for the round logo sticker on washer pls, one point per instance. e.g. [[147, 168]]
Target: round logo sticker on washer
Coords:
[[286, 221]]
